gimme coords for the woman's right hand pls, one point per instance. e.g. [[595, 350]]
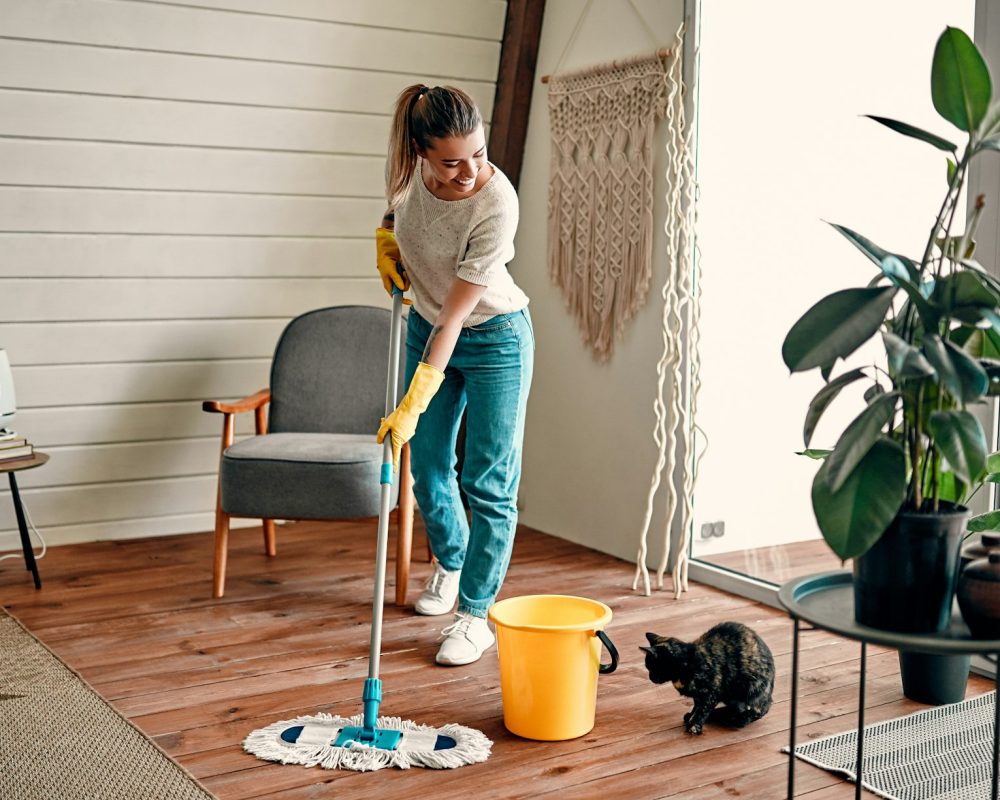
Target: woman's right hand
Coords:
[[389, 261]]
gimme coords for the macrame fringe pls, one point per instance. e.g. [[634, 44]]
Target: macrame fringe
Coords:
[[472, 746], [600, 209], [674, 433]]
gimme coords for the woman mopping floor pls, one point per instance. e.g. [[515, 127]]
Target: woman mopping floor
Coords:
[[470, 344], [449, 234]]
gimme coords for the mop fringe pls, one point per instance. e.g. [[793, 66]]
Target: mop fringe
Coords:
[[472, 746]]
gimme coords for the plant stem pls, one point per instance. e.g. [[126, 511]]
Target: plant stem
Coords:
[[953, 187], [916, 479]]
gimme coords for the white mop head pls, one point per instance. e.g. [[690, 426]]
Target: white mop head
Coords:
[[313, 746]]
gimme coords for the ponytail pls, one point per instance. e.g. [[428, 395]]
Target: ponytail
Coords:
[[423, 113]]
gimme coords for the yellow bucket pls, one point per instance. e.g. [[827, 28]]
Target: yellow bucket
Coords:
[[549, 646]]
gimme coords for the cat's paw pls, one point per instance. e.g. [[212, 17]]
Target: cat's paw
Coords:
[[693, 730]]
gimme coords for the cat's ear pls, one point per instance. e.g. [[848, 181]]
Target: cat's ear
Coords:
[[649, 650], [677, 649], [652, 638]]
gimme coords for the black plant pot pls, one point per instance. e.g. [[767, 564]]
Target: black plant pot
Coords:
[[934, 678], [906, 581]]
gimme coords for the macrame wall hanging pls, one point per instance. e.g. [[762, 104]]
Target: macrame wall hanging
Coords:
[[675, 427], [600, 235]]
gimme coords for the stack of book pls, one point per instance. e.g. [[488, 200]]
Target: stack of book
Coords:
[[13, 446]]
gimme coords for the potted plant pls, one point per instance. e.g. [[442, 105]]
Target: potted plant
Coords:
[[889, 493]]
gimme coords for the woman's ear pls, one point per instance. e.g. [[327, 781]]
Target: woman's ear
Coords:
[[417, 148]]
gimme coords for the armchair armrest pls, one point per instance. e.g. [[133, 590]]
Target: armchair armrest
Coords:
[[254, 402], [251, 403]]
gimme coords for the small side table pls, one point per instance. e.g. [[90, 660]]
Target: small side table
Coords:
[[826, 600], [10, 467]]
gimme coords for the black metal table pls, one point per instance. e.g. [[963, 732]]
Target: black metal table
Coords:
[[10, 467], [826, 601]]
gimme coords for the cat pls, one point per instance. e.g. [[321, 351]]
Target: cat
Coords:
[[728, 664]]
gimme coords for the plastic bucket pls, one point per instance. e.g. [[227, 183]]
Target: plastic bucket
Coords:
[[549, 646]]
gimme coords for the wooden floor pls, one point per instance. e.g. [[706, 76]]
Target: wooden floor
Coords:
[[291, 637], [779, 563]]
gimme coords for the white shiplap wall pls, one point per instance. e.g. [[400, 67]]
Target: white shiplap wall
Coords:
[[177, 180]]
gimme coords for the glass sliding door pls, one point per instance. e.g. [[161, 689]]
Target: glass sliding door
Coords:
[[783, 150]]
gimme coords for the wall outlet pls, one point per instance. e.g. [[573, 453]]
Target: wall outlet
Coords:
[[713, 530]]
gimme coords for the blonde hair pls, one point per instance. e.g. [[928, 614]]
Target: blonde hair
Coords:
[[423, 113]]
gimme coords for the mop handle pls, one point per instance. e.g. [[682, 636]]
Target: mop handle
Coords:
[[385, 507]]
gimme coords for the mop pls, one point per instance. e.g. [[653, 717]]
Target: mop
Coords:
[[367, 742]]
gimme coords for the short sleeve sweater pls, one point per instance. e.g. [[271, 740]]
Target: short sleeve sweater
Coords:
[[471, 238]]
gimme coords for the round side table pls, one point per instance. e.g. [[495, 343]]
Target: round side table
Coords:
[[10, 467], [826, 600]]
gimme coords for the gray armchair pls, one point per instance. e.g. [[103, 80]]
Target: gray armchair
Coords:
[[314, 455]]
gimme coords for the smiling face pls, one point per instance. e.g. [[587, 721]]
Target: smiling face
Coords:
[[454, 165]]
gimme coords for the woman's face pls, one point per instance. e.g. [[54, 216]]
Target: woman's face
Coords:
[[454, 162]]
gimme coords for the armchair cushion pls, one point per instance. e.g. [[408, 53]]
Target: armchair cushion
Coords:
[[303, 476]]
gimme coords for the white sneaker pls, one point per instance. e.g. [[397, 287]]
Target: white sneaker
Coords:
[[440, 594], [466, 639]]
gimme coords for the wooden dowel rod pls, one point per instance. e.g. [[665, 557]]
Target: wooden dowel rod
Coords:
[[663, 52]]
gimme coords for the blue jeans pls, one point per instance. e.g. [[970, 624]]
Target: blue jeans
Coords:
[[489, 374]]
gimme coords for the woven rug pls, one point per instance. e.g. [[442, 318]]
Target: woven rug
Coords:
[[943, 753], [59, 740]]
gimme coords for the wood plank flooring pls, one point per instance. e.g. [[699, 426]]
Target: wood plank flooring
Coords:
[[291, 637]]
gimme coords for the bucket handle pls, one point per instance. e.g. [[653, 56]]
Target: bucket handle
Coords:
[[607, 669]]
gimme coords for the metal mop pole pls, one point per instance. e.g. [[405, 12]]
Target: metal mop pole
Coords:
[[372, 695]]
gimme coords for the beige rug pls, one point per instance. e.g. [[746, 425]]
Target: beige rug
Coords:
[[59, 739]]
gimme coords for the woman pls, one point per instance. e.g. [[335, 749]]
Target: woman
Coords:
[[469, 346]]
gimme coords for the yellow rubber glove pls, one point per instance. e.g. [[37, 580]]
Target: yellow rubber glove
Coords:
[[402, 423], [389, 261]]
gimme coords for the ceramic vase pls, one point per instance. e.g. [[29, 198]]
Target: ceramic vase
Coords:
[[979, 596]]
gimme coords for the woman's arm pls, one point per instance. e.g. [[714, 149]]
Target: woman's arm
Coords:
[[458, 305]]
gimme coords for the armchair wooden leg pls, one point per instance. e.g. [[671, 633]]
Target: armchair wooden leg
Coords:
[[270, 538], [221, 549], [404, 532]]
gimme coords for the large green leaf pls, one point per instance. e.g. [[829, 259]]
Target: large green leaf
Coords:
[[960, 80], [990, 521], [873, 251], [960, 439], [858, 438], [835, 327], [917, 133], [965, 295], [904, 360], [855, 516], [972, 377], [961, 375], [823, 398]]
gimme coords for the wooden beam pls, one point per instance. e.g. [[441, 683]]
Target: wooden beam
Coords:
[[515, 79]]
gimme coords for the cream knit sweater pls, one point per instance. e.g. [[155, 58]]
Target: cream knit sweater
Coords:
[[471, 239]]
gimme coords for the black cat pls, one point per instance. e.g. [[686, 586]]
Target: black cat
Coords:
[[729, 664]]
